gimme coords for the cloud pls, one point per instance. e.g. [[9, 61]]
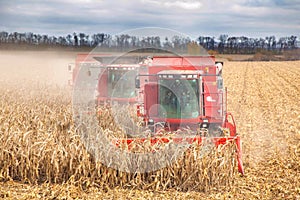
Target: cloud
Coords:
[[187, 5], [198, 17]]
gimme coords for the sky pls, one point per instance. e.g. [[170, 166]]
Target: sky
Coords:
[[252, 18]]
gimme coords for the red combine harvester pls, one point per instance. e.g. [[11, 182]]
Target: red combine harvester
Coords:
[[177, 93], [116, 83], [170, 93], [115, 77]]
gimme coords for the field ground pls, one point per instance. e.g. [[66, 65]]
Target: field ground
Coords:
[[233, 57], [262, 96]]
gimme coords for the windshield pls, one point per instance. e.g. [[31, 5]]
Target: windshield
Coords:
[[178, 98], [121, 83]]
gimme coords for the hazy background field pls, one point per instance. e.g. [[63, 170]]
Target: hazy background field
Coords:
[[48, 67]]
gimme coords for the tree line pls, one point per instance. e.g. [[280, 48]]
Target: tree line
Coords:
[[224, 44], [248, 45]]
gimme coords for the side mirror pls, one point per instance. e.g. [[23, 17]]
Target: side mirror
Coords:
[[219, 66], [137, 82], [222, 63]]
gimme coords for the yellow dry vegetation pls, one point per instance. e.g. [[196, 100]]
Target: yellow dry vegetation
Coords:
[[40, 145], [264, 98], [42, 156]]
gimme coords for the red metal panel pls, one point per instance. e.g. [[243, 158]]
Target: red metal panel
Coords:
[[199, 60], [183, 61], [167, 61], [102, 83], [151, 99], [211, 100]]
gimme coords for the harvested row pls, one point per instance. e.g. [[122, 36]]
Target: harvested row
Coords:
[[268, 119]]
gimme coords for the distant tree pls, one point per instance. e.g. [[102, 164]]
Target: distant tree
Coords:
[[126, 41], [53, 40], [222, 43], [29, 38], [232, 44], [82, 39], [107, 40], [87, 40], [292, 41], [167, 44], [157, 43], [133, 41], [69, 40], [45, 39], [39, 38], [207, 42], [62, 41], [282, 42], [201, 40], [3, 37], [75, 39], [97, 39]]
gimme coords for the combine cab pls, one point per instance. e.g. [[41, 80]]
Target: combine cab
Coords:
[[184, 95], [116, 84], [115, 77]]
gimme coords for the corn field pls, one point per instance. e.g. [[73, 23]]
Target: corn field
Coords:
[[42, 154], [40, 145]]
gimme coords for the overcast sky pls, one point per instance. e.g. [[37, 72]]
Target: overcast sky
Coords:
[[253, 18]]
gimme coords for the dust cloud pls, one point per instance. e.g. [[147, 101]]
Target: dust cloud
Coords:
[[45, 67]]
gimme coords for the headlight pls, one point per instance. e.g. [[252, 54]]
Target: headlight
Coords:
[[204, 124], [151, 122]]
